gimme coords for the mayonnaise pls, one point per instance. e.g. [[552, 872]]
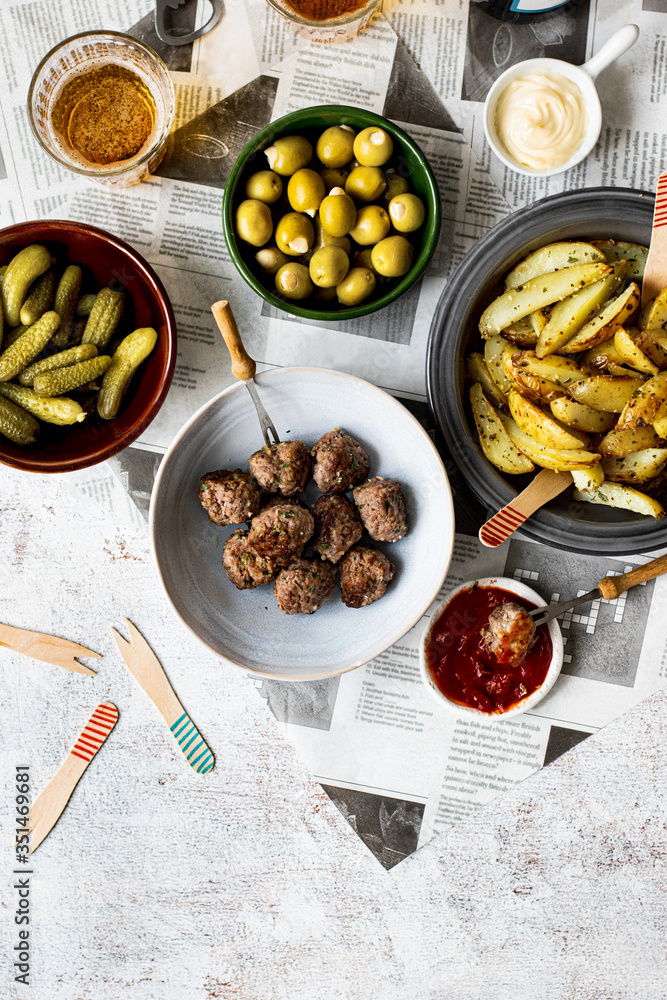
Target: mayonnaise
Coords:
[[541, 120]]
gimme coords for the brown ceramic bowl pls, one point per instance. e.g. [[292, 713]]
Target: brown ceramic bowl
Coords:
[[105, 260]]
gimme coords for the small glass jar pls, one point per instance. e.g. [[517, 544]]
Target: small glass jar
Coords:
[[79, 55], [336, 28]]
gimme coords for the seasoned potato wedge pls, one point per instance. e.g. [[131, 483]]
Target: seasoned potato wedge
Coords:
[[568, 317], [634, 253], [581, 417], [552, 257], [548, 458], [539, 319], [605, 392], [660, 420], [643, 405], [522, 333], [536, 388], [618, 443], [586, 480], [636, 468], [508, 360], [478, 372], [565, 371], [631, 354], [537, 293], [493, 437], [615, 312], [542, 426], [603, 356], [656, 318], [653, 342], [623, 497], [493, 351]]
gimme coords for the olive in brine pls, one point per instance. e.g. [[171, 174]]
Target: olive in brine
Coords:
[[333, 178], [372, 225], [265, 185], [293, 281], [305, 191], [392, 257], [294, 234], [271, 259], [356, 286], [406, 212], [325, 239], [335, 145], [373, 146], [365, 184], [289, 154], [328, 266], [338, 213], [253, 222], [395, 185]]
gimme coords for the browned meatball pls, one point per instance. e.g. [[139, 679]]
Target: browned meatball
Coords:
[[340, 462], [382, 509], [364, 575], [279, 533], [281, 468], [337, 526], [229, 497], [304, 586], [510, 633], [277, 500], [245, 567]]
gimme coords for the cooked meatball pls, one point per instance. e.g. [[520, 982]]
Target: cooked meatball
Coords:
[[279, 533], [340, 462], [229, 497], [364, 575], [277, 500], [337, 526], [510, 634], [304, 586], [245, 567], [382, 509], [281, 468]]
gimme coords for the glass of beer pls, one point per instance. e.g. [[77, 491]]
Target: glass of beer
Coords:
[[327, 20], [102, 104]]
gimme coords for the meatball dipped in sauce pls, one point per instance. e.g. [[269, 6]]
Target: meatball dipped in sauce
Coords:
[[340, 462], [510, 634]]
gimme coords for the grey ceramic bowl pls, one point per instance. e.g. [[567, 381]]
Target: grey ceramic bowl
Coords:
[[596, 213], [246, 628]]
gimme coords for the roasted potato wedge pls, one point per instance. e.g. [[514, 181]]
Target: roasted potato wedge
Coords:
[[586, 480], [493, 352], [598, 329], [581, 417], [623, 497], [536, 388], [478, 372], [494, 439], [605, 392], [634, 253], [568, 317], [541, 426], [603, 356], [565, 371], [631, 354], [656, 318], [618, 443], [643, 405], [548, 458], [638, 467], [522, 333], [660, 420], [552, 257], [653, 342]]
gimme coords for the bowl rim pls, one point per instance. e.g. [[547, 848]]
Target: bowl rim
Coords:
[[153, 530], [521, 589], [23, 461], [292, 119]]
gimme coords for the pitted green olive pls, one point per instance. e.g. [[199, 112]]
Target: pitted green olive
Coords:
[[334, 146], [392, 257], [324, 294], [356, 286], [333, 178], [253, 222], [365, 184], [337, 213], [264, 186], [406, 212], [373, 146], [305, 191], [271, 259], [289, 154], [328, 266], [372, 225], [395, 185], [294, 234], [324, 239], [293, 281]]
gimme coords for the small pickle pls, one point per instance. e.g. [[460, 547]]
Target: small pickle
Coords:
[[83, 352], [12, 335], [15, 358], [51, 409], [271, 259], [62, 380], [65, 302], [293, 281], [289, 154], [104, 317], [373, 146], [17, 424], [39, 299], [85, 304], [265, 185], [21, 271], [130, 353]]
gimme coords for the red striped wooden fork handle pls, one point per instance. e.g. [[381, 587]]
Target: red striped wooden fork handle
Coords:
[[655, 273], [545, 486], [95, 731]]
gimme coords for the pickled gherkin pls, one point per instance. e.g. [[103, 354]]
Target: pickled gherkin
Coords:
[[39, 299], [21, 271], [62, 380], [82, 352], [51, 409], [17, 424], [131, 352], [104, 317], [65, 302], [15, 358]]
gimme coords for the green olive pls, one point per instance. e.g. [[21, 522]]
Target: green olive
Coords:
[[334, 146], [392, 257], [324, 239], [270, 259], [373, 146], [356, 286], [395, 185], [289, 154], [305, 191], [337, 213], [406, 212], [253, 222], [328, 266], [324, 294], [293, 281], [365, 184], [294, 234], [264, 186], [333, 178], [372, 225]]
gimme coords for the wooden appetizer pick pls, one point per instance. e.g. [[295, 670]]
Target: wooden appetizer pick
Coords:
[[545, 486], [655, 272], [49, 804], [48, 648], [145, 667]]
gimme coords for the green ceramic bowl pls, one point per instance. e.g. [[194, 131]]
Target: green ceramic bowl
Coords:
[[311, 122]]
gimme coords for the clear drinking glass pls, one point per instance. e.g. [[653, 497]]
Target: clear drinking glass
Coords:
[[73, 58], [333, 28]]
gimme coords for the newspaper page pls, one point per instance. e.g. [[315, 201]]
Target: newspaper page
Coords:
[[397, 767]]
